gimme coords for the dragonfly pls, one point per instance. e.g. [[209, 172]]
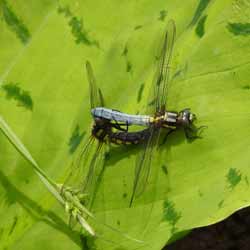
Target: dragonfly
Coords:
[[158, 116], [82, 182]]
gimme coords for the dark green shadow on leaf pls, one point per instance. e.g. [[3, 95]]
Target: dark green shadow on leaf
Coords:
[[13, 225], [137, 27], [14, 23], [117, 153], [125, 50], [23, 98], [239, 29], [170, 214], [200, 193], [233, 177], [199, 10], [200, 28], [128, 63], [221, 204], [140, 92], [247, 87], [75, 139], [164, 169], [78, 29], [162, 16], [129, 67], [64, 10]]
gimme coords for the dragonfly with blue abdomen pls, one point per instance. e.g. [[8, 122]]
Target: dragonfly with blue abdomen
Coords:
[[82, 182], [158, 118]]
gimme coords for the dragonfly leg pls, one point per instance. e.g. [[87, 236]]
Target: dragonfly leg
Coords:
[[200, 130], [119, 126], [126, 126], [166, 136], [193, 133]]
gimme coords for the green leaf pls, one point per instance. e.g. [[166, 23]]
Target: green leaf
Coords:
[[63, 196], [199, 183]]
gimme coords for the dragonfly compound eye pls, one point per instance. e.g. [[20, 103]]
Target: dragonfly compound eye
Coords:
[[192, 117]]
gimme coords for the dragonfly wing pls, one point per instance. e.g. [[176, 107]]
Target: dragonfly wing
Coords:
[[94, 173], [157, 103], [96, 97], [168, 50], [86, 172], [161, 79], [143, 163], [73, 180], [78, 165]]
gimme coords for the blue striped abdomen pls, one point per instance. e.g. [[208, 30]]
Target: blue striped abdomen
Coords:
[[110, 114]]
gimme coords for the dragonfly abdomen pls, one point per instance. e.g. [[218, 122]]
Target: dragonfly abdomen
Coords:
[[129, 138], [115, 115]]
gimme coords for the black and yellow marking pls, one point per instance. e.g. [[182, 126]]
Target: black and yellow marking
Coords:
[[99, 132], [169, 126]]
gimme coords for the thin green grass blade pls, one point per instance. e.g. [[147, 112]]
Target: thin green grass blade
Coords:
[[14, 140], [49, 184]]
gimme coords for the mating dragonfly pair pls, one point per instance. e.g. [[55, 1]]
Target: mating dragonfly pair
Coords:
[[112, 126]]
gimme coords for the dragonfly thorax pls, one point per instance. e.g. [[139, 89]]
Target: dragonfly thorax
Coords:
[[165, 120], [101, 129]]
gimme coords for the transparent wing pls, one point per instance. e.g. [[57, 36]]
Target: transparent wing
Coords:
[[94, 173], [85, 177], [160, 83], [156, 104], [86, 171], [168, 51], [143, 163], [74, 178], [96, 97]]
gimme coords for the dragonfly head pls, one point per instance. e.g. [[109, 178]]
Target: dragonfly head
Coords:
[[186, 118]]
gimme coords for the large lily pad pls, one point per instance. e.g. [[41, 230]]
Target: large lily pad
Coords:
[[45, 99]]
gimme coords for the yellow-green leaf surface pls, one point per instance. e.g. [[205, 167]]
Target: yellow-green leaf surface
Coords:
[[44, 98]]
